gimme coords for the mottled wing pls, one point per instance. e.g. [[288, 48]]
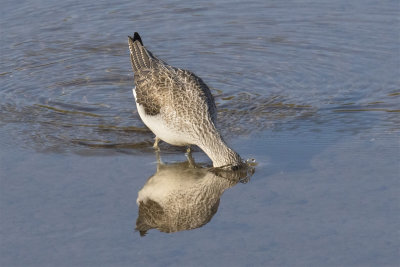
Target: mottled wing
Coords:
[[175, 89], [198, 90], [149, 86]]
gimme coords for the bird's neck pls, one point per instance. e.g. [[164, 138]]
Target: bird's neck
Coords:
[[219, 152]]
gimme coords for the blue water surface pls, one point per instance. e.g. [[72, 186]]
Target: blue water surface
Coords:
[[310, 89]]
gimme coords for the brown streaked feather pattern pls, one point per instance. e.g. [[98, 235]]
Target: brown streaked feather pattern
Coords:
[[179, 198], [177, 105], [140, 57], [177, 91]]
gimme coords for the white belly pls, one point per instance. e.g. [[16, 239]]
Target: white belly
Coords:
[[160, 128]]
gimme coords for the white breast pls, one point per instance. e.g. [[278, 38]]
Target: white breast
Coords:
[[160, 128]]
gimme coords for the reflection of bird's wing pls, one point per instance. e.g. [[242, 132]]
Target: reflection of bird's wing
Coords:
[[176, 199]]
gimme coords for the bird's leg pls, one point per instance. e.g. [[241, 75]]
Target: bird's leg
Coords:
[[158, 157], [189, 157], [156, 140]]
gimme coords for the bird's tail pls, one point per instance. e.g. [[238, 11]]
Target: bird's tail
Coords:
[[141, 58]]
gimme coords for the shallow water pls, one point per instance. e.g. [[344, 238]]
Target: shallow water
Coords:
[[309, 89]]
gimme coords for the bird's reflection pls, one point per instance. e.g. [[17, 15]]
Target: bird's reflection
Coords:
[[183, 196]]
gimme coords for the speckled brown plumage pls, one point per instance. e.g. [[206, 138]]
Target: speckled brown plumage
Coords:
[[178, 197], [174, 89], [177, 105]]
